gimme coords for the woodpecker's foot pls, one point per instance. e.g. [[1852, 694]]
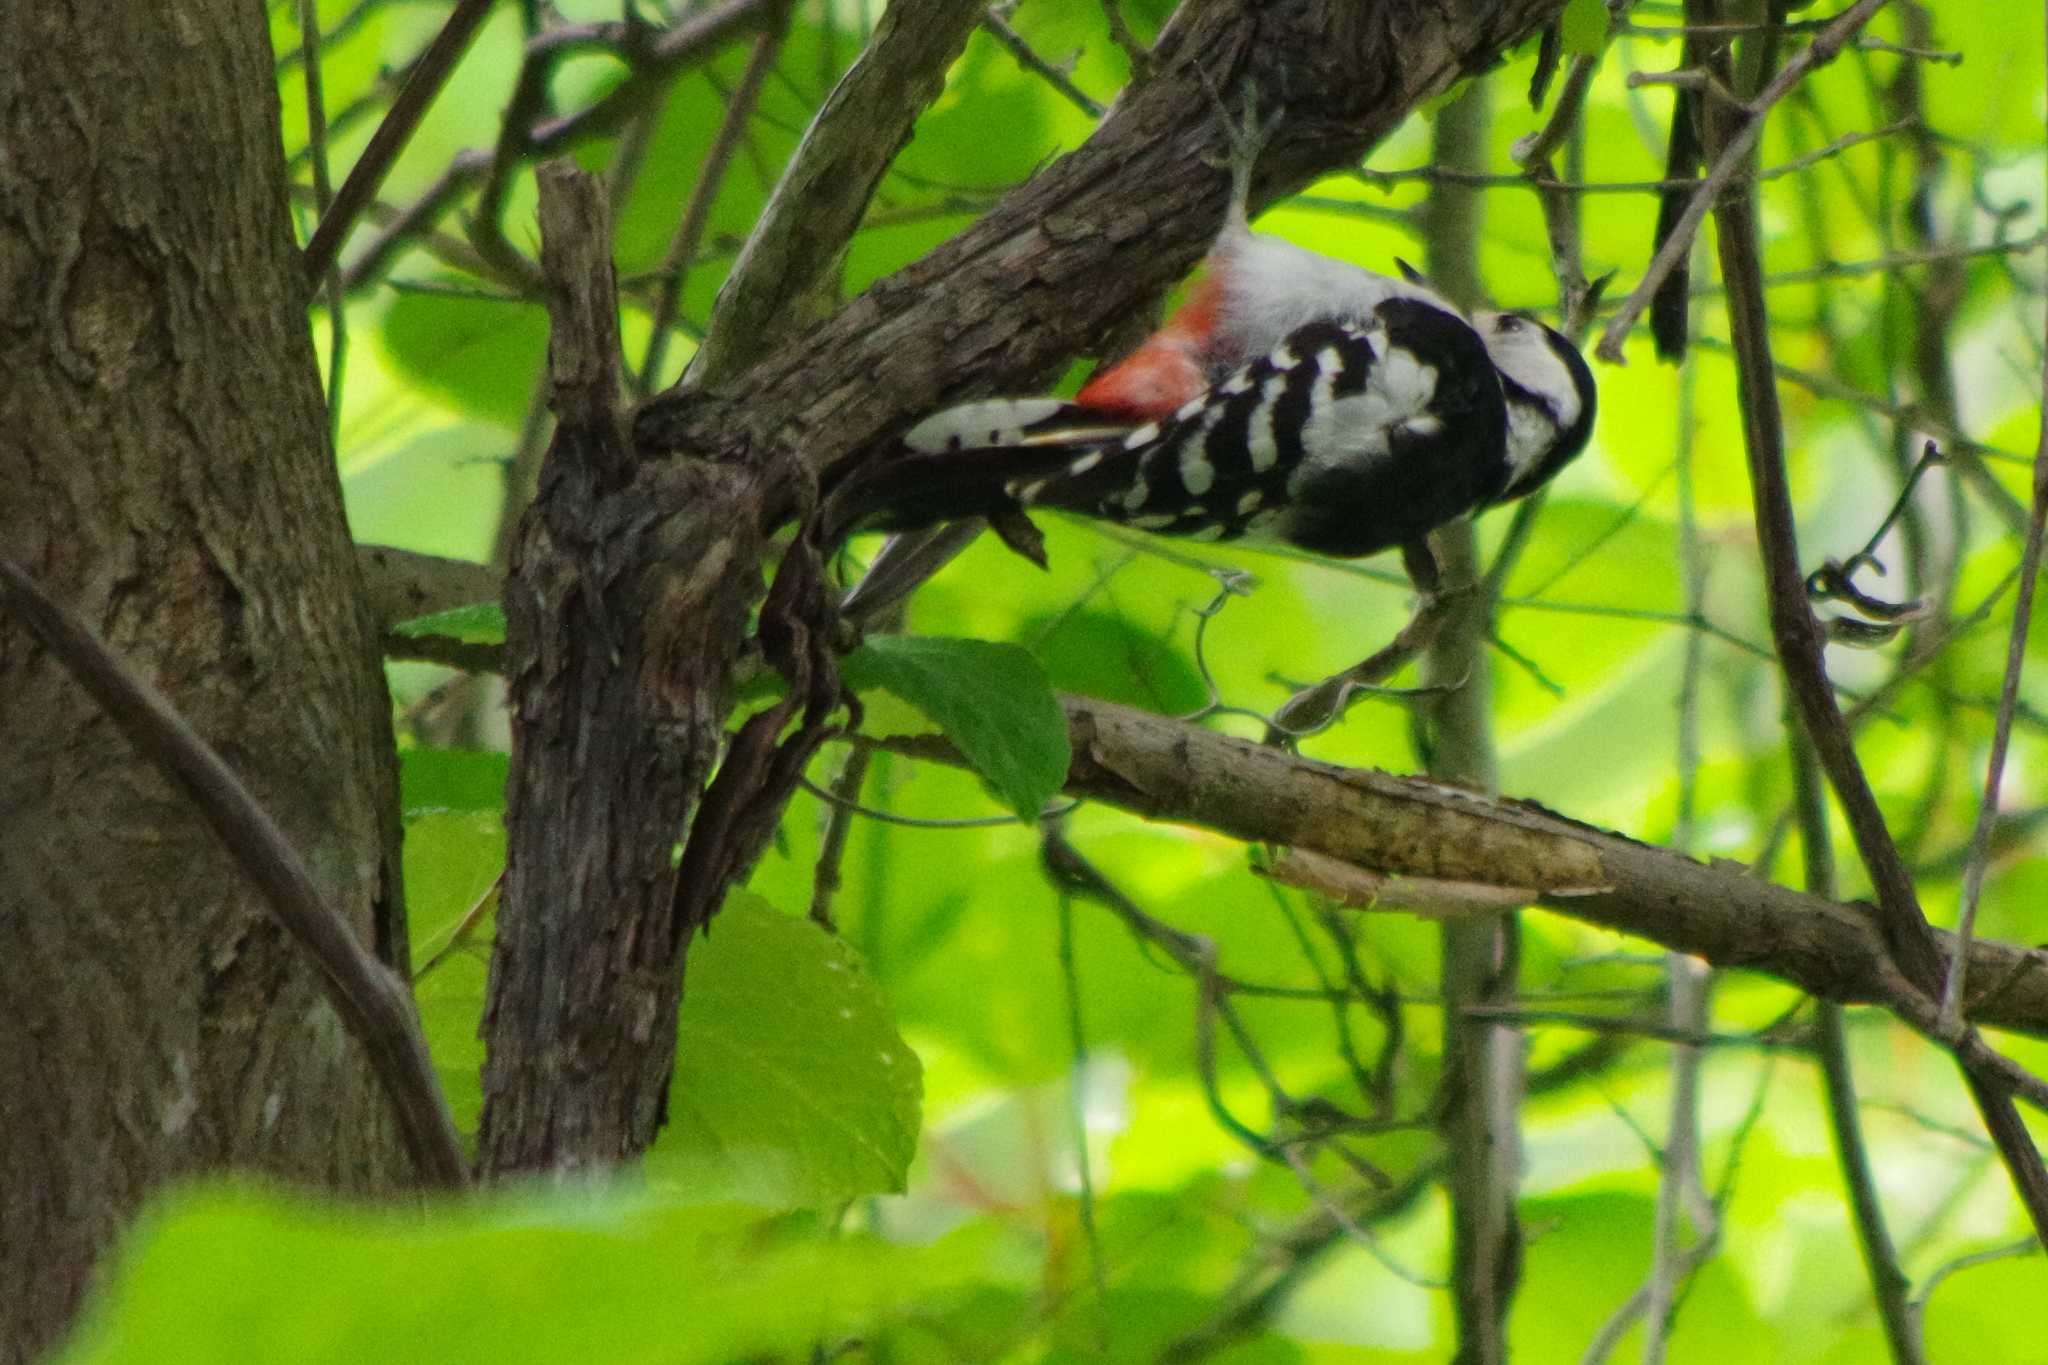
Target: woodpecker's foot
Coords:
[[1245, 135]]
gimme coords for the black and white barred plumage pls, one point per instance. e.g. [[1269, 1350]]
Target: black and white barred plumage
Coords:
[[1292, 398], [1344, 440]]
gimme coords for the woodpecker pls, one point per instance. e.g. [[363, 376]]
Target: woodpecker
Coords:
[[1292, 398]]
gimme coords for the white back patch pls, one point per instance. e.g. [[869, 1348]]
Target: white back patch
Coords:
[[992, 422]]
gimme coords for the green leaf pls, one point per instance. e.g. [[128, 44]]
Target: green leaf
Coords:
[[481, 354], [1108, 655], [1583, 26], [452, 858], [479, 623], [451, 779], [792, 1087], [231, 1273], [991, 699]]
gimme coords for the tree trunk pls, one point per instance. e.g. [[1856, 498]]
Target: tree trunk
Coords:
[[164, 469]]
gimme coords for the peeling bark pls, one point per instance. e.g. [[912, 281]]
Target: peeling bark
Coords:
[[626, 607]]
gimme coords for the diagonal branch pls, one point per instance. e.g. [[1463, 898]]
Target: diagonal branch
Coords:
[[1733, 158], [1068, 256], [2001, 735], [825, 188], [1164, 769], [682, 248], [392, 134], [1799, 642], [372, 1001]]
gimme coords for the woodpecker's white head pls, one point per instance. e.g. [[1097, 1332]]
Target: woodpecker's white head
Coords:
[[1549, 392]]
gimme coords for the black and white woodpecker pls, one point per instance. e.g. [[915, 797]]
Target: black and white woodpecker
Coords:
[[1292, 398]]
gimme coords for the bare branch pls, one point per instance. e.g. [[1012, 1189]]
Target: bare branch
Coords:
[[393, 133], [1733, 157], [682, 248], [1166, 770], [1800, 642], [996, 27], [654, 63], [2001, 735]]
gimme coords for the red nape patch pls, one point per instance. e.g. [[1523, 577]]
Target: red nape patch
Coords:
[[1153, 381]]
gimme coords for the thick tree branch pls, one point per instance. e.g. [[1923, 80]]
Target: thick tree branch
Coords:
[[374, 1004], [1104, 230], [1164, 769], [625, 608], [1719, 911], [399, 585], [628, 607]]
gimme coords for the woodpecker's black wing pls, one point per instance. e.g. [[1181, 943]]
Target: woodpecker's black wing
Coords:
[[1347, 439]]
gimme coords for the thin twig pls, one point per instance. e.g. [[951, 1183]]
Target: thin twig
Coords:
[[1690, 981], [1053, 841], [1888, 1281], [2001, 733], [323, 199], [2026, 1246], [1734, 154], [653, 65], [1321, 705], [996, 27], [1993, 1080], [486, 219], [1499, 180], [393, 133], [1136, 53], [371, 1000]]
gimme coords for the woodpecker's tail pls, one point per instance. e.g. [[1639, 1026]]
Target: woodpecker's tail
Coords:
[[968, 461]]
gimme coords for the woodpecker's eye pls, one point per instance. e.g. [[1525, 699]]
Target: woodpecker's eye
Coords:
[[1507, 322]]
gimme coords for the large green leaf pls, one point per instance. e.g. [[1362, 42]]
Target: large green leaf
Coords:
[[480, 353], [792, 1087], [991, 699], [230, 1273]]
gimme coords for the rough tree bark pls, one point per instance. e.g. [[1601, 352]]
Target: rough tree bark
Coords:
[[164, 468], [618, 664]]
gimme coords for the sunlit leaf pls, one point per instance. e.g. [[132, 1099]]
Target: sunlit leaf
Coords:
[[792, 1087], [991, 699], [231, 1274]]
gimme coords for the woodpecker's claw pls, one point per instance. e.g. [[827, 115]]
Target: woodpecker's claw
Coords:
[[1245, 136]]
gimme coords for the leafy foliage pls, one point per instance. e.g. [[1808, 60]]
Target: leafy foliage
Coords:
[[1631, 686], [991, 699], [792, 1087]]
